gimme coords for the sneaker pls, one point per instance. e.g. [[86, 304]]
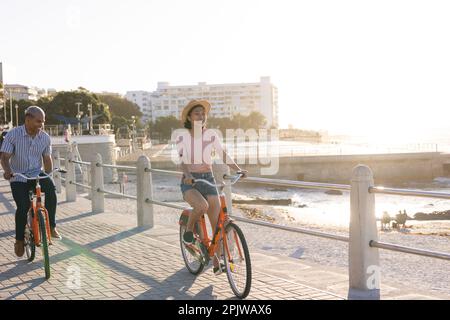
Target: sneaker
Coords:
[[55, 234], [19, 248], [188, 238]]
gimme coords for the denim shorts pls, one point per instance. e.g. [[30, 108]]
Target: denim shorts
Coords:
[[203, 188]]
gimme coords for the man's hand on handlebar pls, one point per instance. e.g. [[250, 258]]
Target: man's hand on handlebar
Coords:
[[7, 175]]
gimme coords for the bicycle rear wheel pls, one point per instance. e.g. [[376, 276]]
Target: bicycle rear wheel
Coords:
[[30, 246], [44, 243], [237, 261], [193, 259]]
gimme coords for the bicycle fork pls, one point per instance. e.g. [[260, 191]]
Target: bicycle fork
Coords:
[[36, 225], [47, 225]]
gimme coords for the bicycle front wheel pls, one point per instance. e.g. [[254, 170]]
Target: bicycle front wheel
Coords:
[[237, 261], [30, 246], [44, 243]]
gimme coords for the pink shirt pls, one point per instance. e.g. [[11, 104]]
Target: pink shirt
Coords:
[[196, 151]]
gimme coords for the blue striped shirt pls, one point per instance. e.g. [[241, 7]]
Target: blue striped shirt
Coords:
[[27, 151]]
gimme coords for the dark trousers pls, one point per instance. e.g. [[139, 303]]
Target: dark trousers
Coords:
[[20, 192]]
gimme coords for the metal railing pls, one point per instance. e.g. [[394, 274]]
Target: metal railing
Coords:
[[363, 235], [395, 247], [413, 193]]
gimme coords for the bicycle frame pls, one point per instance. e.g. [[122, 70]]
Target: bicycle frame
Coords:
[[219, 232], [34, 207]]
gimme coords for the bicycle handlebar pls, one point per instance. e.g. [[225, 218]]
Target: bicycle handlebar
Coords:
[[233, 179], [40, 177]]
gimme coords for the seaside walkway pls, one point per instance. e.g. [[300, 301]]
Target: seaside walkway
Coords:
[[105, 256]]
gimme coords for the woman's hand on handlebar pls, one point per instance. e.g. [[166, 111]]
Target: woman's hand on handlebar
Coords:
[[243, 173], [188, 180]]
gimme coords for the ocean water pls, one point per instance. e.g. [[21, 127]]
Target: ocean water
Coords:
[[315, 206], [437, 140]]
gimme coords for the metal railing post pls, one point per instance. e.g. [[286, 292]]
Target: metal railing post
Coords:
[[71, 189], [97, 197], [56, 174], [364, 266], [144, 193]]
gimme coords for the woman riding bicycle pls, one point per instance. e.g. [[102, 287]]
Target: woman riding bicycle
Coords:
[[195, 148]]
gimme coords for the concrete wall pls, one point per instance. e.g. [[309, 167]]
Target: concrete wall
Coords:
[[89, 146], [387, 168]]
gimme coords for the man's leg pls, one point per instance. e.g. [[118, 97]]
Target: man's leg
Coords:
[[48, 188], [20, 195]]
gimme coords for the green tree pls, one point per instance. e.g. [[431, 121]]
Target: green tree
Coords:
[[119, 122], [120, 107], [163, 127], [255, 120], [221, 124], [22, 106], [64, 103]]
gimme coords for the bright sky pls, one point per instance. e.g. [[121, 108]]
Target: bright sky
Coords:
[[346, 66]]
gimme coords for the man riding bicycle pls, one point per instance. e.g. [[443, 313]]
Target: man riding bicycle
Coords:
[[24, 149], [195, 147]]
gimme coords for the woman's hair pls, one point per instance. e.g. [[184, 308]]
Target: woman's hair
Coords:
[[188, 123]]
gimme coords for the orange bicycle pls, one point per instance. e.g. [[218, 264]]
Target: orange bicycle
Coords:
[[227, 236], [37, 229]]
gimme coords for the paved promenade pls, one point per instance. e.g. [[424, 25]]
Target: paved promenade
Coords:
[[104, 256]]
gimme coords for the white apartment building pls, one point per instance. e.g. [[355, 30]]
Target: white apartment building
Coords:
[[142, 99], [226, 99], [21, 92]]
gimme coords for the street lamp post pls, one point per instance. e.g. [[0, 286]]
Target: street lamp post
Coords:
[[10, 106], [133, 132], [91, 122], [79, 114], [17, 115]]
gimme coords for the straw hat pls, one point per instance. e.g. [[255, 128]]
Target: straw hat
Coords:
[[205, 104]]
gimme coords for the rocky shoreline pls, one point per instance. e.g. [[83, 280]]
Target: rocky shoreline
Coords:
[[435, 215]]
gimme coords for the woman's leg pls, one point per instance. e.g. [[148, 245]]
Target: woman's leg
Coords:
[[198, 204], [213, 215], [213, 210]]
